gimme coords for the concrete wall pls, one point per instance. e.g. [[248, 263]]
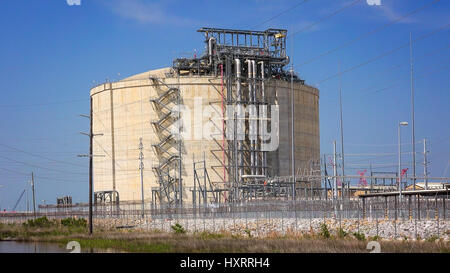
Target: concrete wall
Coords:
[[122, 112]]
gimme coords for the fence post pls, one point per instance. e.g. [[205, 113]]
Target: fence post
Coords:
[[443, 207], [295, 212], [358, 216], [282, 220], [257, 219], [213, 220], [376, 214], [437, 216], [224, 214], [395, 216]]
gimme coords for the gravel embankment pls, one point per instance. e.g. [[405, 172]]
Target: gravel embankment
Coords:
[[386, 229]]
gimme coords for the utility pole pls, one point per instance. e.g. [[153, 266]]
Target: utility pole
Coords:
[[402, 123], [28, 203], [412, 112], [90, 155], [292, 133], [141, 168], [342, 132], [335, 179], [34, 194], [425, 163], [292, 121], [334, 171], [91, 225], [1, 186]]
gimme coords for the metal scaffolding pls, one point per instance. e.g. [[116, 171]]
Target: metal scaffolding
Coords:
[[245, 60]]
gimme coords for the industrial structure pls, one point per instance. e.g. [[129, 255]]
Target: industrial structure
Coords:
[[211, 128]]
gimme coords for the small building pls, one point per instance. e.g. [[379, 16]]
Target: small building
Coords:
[[431, 186]]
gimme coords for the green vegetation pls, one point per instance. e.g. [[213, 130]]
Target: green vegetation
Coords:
[[432, 239], [74, 222], [248, 232], [43, 227], [341, 233], [134, 246], [359, 236], [39, 222], [324, 232], [178, 229], [138, 240]]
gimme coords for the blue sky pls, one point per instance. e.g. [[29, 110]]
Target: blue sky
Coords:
[[52, 53]]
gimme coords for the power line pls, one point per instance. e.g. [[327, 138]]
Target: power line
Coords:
[[346, 44], [384, 54], [379, 145], [325, 18], [428, 54], [396, 82], [42, 104], [38, 166], [281, 13], [377, 154], [43, 157], [41, 177]]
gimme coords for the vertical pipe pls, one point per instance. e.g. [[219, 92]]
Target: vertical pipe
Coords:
[[250, 87], [253, 82], [263, 98], [239, 99], [210, 53], [223, 126]]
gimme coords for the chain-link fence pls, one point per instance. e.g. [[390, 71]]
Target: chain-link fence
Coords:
[[385, 217]]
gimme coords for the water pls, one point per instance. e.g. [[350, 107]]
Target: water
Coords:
[[40, 247], [30, 247]]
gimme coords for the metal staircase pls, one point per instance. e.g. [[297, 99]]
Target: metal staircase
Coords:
[[167, 148]]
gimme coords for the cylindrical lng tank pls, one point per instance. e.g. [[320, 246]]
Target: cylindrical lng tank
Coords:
[[139, 108]]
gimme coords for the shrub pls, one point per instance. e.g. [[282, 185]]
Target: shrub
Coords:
[[248, 232], [432, 239], [178, 229], [74, 222], [324, 232], [39, 222], [359, 236], [374, 238], [341, 233]]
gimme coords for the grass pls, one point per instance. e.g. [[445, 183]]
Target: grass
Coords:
[[42, 228], [201, 242]]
